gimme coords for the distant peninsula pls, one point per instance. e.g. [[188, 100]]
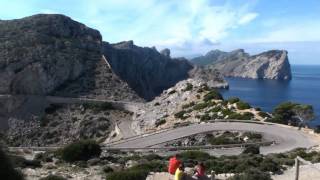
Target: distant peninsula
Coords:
[[273, 64]]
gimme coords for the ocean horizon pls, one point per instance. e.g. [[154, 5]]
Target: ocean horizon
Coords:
[[267, 94]]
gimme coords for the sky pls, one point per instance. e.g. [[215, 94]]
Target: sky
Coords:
[[193, 27]]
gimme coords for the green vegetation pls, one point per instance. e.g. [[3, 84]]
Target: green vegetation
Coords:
[[82, 150], [285, 112], [53, 177], [181, 115], [252, 135], [241, 164], [213, 94], [138, 172], [225, 138], [189, 87], [160, 122], [264, 114], [127, 175], [243, 105], [7, 170], [194, 155], [191, 104], [251, 149], [97, 107], [203, 105], [252, 174]]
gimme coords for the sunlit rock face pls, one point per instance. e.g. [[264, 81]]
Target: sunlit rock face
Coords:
[[273, 64]]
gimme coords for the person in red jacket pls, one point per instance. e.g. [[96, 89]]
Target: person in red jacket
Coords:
[[174, 163], [200, 171]]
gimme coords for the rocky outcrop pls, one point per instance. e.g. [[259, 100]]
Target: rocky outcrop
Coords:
[[146, 70], [272, 64], [53, 54]]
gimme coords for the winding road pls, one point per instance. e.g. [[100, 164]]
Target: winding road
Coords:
[[286, 138]]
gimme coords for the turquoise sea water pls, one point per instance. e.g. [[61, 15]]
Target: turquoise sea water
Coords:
[[266, 94]]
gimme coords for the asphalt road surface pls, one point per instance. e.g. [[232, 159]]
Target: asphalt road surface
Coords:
[[286, 138]]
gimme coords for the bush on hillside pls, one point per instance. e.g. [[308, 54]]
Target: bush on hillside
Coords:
[[7, 170], [264, 114], [251, 149], [160, 122], [243, 105], [189, 87], [127, 175], [53, 177], [252, 174], [185, 106], [194, 155], [97, 106], [82, 150], [180, 115], [213, 94]]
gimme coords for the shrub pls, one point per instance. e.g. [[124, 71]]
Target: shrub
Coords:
[[53, 177], [185, 106], [107, 169], [189, 87], [213, 94], [194, 155], [205, 117], [200, 106], [233, 100], [243, 105], [82, 150], [127, 175], [7, 170], [244, 116], [97, 107], [151, 166], [252, 135], [160, 122], [251, 149], [172, 92], [180, 115], [252, 174], [52, 108], [269, 165], [264, 114]]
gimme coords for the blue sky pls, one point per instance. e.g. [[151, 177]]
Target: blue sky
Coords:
[[193, 27]]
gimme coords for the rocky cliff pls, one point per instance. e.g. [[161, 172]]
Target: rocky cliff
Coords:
[[146, 70], [272, 64], [52, 54]]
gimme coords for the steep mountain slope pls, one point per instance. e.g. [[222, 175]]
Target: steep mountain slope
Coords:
[[273, 64], [146, 70], [46, 54]]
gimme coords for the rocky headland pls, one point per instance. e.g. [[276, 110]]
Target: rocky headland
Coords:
[[273, 64]]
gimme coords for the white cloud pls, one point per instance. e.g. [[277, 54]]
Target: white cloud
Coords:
[[302, 31], [49, 11], [171, 24], [248, 18]]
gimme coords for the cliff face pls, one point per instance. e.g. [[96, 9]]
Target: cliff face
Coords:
[[52, 54], [272, 64], [146, 70]]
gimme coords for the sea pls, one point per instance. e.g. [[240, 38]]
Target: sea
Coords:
[[266, 94]]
